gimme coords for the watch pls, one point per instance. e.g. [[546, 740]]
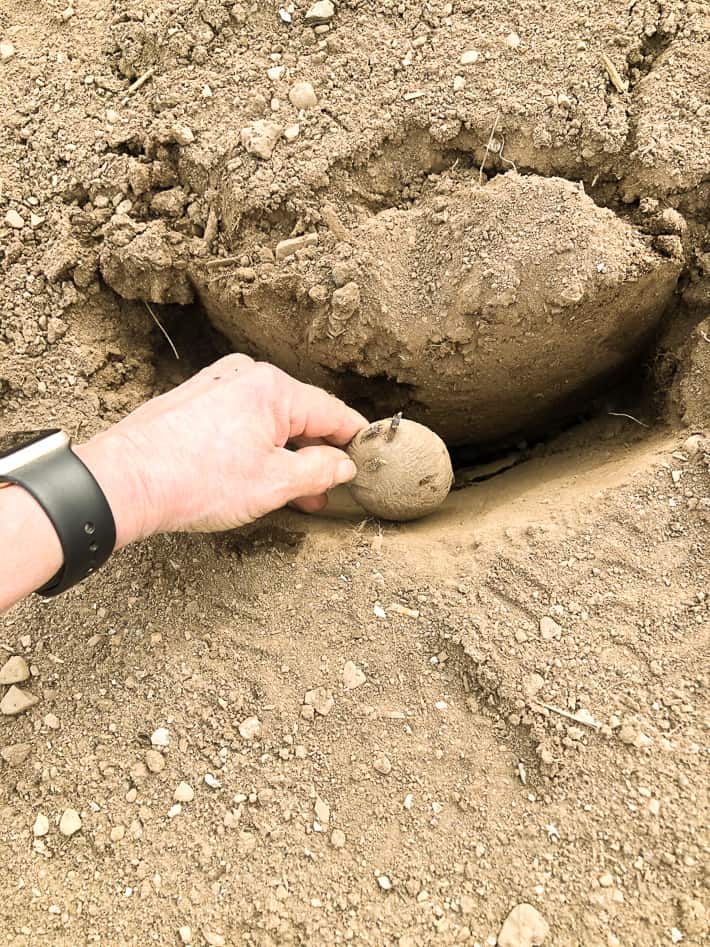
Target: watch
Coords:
[[43, 463]]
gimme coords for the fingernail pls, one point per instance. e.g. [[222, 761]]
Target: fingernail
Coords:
[[345, 471]]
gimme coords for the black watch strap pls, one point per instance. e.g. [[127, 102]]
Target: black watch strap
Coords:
[[74, 502]]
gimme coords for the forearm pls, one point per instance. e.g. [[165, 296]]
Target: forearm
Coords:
[[30, 551]]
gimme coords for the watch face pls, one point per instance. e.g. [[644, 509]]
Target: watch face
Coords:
[[11, 441]]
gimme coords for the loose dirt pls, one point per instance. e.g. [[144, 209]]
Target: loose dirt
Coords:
[[482, 727]]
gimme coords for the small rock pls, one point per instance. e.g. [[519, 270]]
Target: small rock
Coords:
[[7, 51], [549, 629], [16, 754], [523, 927], [512, 41], [321, 12], [212, 781], [169, 203], [275, 73], [155, 761], [213, 938], [322, 810], [250, 728], [287, 248], [302, 96], [17, 701], [606, 880], [51, 721], [459, 83], [67, 14], [36, 221], [352, 676], [337, 838], [184, 793], [383, 765], [260, 138], [70, 823], [321, 700], [532, 683], [14, 670], [185, 934], [174, 810], [384, 882], [633, 737], [182, 134], [160, 737], [41, 826], [117, 833], [291, 132], [13, 219], [470, 57]]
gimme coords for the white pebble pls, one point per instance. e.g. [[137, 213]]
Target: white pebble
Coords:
[[459, 83], [352, 676], [512, 41], [184, 793], [160, 737], [14, 220], [174, 810], [70, 823], [41, 826], [470, 57], [302, 96], [384, 882], [7, 51], [185, 934], [250, 728], [275, 73]]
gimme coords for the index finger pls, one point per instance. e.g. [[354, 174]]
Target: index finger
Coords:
[[315, 413]]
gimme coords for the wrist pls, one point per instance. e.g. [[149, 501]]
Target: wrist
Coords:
[[120, 471]]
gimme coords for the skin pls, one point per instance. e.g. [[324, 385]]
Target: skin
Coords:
[[209, 455], [404, 469]]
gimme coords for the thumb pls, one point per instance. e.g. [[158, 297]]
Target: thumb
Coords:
[[311, 471]]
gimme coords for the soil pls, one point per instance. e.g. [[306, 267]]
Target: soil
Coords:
[[388, 734]]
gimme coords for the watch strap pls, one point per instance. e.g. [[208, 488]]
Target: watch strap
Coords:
[[74, 502]]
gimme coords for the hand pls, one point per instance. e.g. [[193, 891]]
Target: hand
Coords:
[[211, 454]]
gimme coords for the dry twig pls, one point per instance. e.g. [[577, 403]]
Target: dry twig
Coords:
[[621, 85], [162, 329]]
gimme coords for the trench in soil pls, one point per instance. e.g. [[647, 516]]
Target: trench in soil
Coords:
[[614, 415]]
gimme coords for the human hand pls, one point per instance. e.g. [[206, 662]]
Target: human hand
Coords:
[[211, 454]]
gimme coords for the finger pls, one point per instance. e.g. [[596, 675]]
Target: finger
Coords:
[[310, 504], [223, 366], [316, 414], [306, 441], [311, 471]]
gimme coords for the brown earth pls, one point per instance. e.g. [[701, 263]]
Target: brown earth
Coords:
[[519, 681]]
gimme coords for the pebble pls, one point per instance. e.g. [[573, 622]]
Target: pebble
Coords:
[[185, 934], [7, 51], [321, 12], [155, 761], [337, 838], [70, 823], [291, 132], [14, 220], [459, 83], [633, 737], [383, 765], [532, 683], [470, 57], [212, 781], [512, 41], [117, 833], [51, 721], [17, 701], [322, 810], [184, 793], [250, 728], [321, 701], [384, 882], [260, 138], [549, 628], [213, 938], [182, 134], [174, 810], [275, 73], [160, 737], [287, 248], [302, 96], [352, 676], [16, 754], [606, 880], [14, 670], [41, 826], [523, 927]]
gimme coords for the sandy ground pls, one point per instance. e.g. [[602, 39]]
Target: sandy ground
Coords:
[[331, 730]]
